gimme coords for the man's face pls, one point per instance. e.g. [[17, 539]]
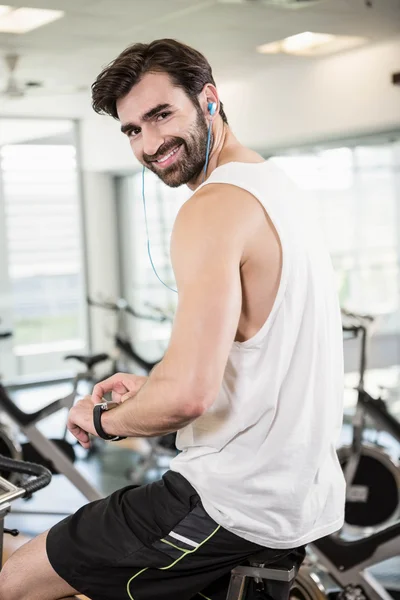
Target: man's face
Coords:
[[167, 132]]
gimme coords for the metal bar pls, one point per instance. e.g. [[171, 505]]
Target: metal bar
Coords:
[[3, 511], [266, 573], [61, 462], [373, 590], [377, 410], [237, 587]]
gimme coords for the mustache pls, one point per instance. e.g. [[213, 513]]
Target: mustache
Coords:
[[163, 150]]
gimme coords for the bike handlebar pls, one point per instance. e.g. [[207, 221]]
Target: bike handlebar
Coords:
[[5, 334], [159, 310], [122, 304], [41, 474], [362, 320]]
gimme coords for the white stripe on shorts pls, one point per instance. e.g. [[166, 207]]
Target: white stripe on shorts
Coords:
[[183, 539]]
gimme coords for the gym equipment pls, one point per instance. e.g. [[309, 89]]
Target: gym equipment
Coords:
[[123, 346], [272, 582], [372, 476], [10, 426], [58, 454], [342, 564], [10, 447], [10, 492], [9, 442]]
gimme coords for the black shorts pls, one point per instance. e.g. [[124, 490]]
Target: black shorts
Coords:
[[150, 542]]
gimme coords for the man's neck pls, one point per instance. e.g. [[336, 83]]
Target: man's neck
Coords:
[[224, 144]]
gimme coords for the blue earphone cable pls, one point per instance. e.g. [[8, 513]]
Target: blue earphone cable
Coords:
[[144, 202], [148, 238], [207, 151]]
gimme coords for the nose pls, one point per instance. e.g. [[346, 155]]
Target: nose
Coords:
[[152, 140]]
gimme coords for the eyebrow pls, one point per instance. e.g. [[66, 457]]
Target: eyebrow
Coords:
[[146, 117]]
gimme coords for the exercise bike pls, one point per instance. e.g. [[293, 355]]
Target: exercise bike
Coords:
[[9, 442], [372, 475], [338, 568], [31, 477], [125, 357], [58, 455]]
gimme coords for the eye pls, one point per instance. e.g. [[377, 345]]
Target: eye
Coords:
[[163, 116], [134, 132]]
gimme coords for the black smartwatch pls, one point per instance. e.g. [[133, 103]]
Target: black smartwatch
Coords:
[[97, 412]]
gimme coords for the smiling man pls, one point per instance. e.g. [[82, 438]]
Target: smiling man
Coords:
[[252, 379]]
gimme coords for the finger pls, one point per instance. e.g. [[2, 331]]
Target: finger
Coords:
[[130, 394], [108, 385], [81, 435], [140, 381], [115, 397]]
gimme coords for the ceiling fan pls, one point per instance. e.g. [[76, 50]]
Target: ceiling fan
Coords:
[[17, 89]]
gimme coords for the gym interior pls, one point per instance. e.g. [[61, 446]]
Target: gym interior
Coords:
[[312, 85]]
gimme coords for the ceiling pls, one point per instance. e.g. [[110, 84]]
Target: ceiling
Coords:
[[72, 50]]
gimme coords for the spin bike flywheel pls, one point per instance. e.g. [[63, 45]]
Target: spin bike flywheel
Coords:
[[308, 585], [373, 498]]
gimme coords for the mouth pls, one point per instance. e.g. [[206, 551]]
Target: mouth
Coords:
[[168, 159]]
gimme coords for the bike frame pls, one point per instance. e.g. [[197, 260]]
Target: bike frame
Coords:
[[357, 574]]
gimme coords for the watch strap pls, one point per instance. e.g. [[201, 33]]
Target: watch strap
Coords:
[[97, 412]]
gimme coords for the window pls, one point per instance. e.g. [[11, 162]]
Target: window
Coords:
[[140, 284], [355, 193], [43, 239]]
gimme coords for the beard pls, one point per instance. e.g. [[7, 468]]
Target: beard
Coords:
[[192, 155]]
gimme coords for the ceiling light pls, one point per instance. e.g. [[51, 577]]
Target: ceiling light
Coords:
[[22, 20], [311, 44]]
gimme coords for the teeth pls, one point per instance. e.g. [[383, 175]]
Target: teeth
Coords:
[[164, 158]]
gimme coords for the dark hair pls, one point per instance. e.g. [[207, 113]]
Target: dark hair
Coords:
[[187, 67]]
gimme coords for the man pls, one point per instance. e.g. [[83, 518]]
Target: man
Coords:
[[252, 379]]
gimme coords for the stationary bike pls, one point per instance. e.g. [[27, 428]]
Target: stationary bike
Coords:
[[31, 478], [125, 353], [339, 568], [58, 454], [372, 475], [336, 567]]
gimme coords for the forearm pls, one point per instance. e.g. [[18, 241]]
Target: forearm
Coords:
[[157, 409]]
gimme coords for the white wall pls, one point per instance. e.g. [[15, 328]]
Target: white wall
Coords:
[[104, 147], [342, 95]]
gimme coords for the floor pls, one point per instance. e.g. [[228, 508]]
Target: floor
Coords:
[[110, 464]]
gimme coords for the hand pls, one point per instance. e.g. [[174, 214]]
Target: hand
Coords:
[[122, 386], [80, 421]]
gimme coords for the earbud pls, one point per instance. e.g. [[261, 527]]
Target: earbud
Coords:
[[212, 107]]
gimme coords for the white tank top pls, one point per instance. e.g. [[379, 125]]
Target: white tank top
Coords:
[[263, 457]]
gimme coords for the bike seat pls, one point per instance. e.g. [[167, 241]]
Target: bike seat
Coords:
[[89, 360], [262, 572], [289, 562]]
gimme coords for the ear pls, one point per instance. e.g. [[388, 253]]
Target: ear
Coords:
[[209, 95]]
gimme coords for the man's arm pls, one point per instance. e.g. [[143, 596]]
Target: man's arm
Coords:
[[207, 249]]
